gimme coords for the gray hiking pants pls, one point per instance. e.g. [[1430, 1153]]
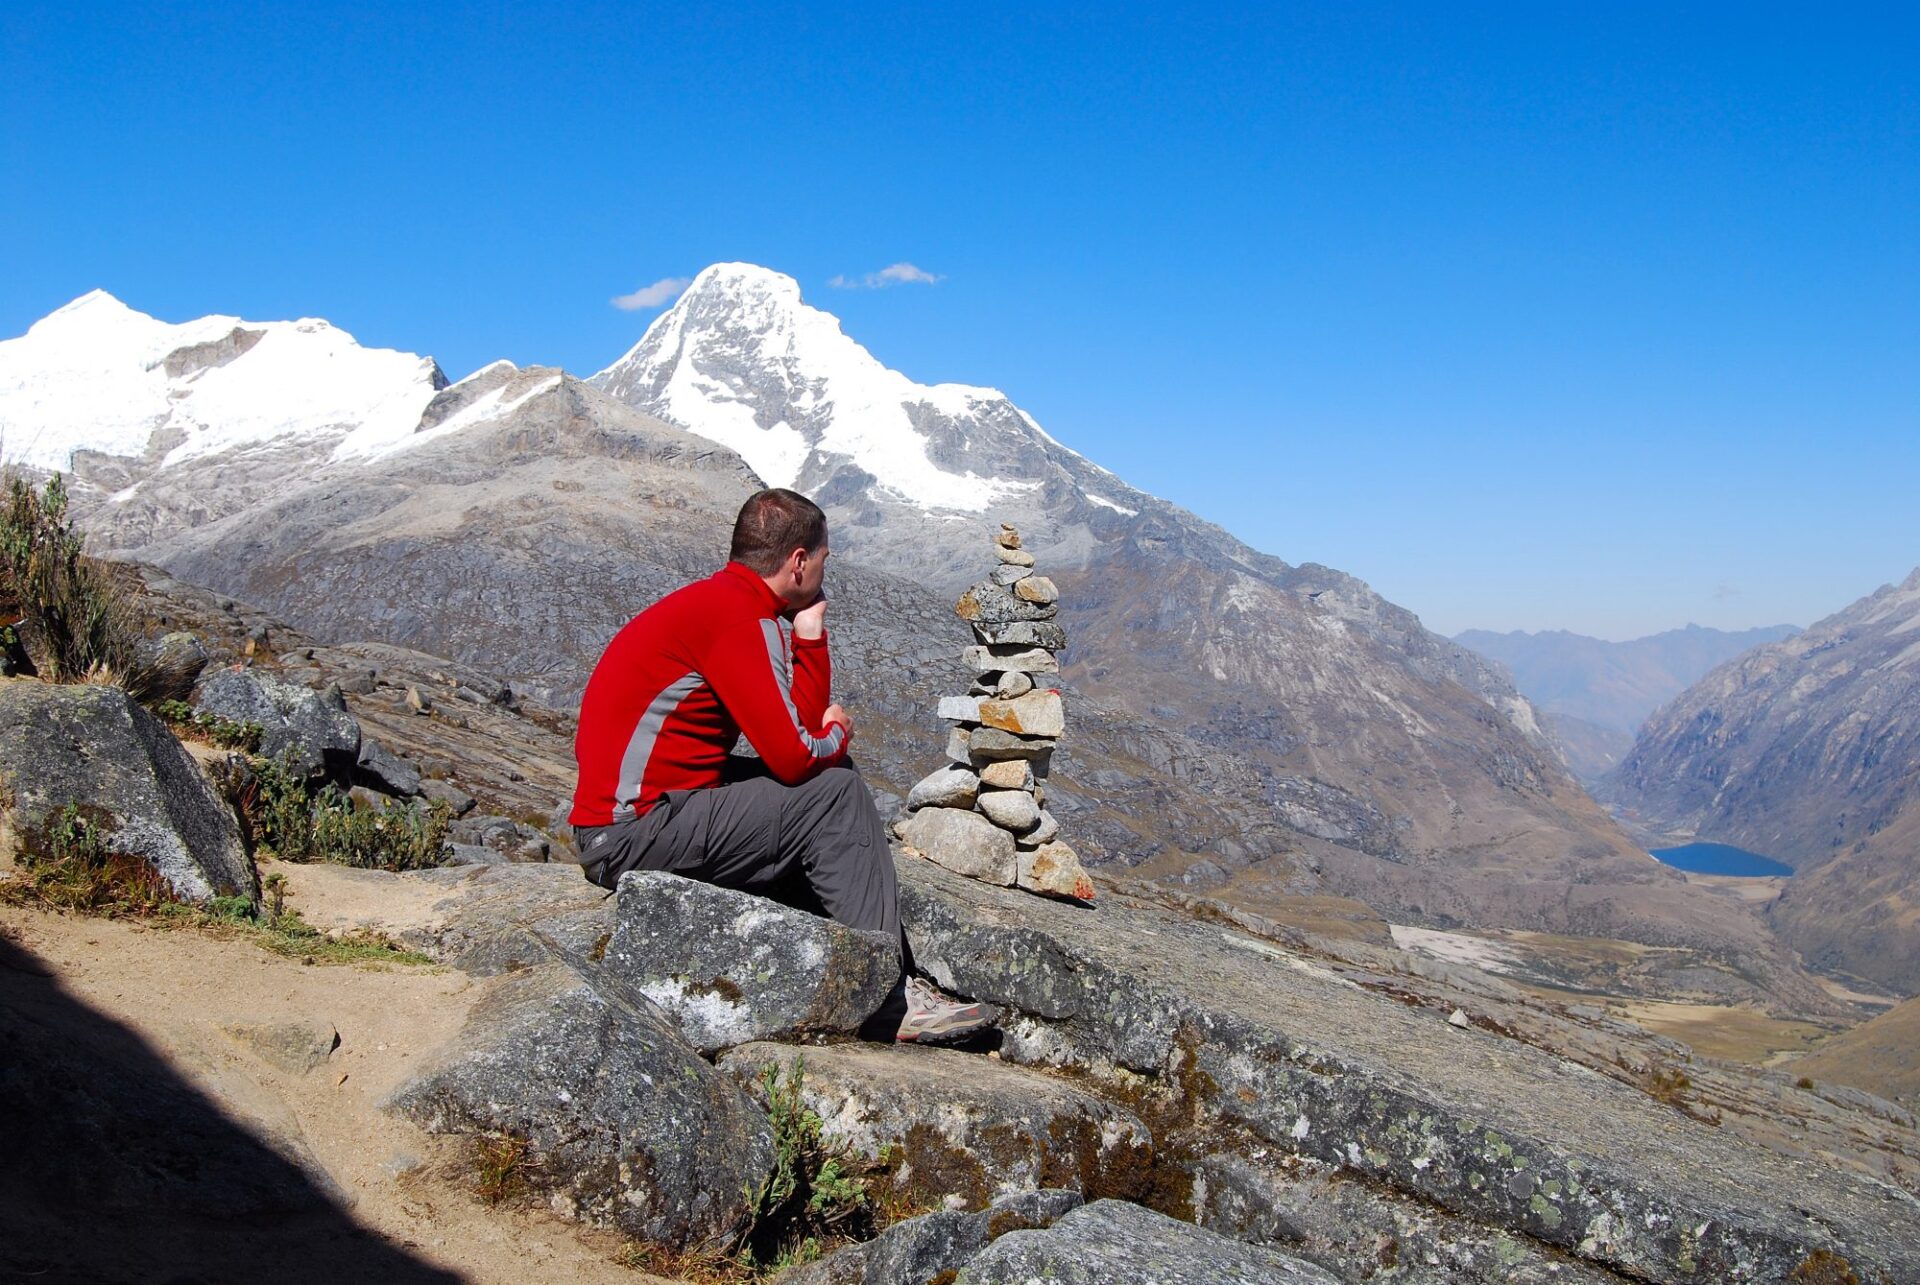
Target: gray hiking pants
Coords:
[[822, 838]]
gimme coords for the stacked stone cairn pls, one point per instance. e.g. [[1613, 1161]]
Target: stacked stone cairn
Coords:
[[984, 814]]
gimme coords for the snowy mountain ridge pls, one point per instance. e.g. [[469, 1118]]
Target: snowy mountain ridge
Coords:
[[742, 360], [99, 376]]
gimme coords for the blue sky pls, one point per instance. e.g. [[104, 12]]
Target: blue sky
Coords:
[[1603, 318]]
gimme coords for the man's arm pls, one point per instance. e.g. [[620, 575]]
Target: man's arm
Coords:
[[812, 664], [747, 670]]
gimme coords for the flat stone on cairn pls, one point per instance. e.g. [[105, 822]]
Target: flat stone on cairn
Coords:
[[980, 815]]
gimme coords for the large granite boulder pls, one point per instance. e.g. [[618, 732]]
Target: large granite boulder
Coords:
[[730, 967], [95, 747], [503, 918], [628, 1125], [934, 1246], [961, 1126], [313, 731], [1111, 1242], [1257, 1043]]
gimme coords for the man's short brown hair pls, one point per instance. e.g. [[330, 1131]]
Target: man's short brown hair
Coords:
[[772, 524]]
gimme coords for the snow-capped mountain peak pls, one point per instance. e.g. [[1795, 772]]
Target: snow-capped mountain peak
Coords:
[[97, 375], [742, 360]]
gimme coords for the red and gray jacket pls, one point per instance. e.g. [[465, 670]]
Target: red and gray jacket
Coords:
[[682, 680]]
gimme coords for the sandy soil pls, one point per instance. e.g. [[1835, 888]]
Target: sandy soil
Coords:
[[181, 990]]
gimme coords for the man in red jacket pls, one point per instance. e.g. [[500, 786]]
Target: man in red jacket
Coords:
[[708, 663]]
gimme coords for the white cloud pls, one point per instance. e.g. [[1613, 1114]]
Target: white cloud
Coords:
[[894, 274], [651, 296]]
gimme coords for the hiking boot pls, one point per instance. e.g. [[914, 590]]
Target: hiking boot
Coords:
[[933, 1014]]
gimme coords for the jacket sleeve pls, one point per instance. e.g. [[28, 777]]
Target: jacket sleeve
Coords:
[[812, 679], [747, 668]]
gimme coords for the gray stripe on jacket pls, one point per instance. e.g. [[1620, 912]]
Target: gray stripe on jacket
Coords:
[[821, 747], [633, 763]]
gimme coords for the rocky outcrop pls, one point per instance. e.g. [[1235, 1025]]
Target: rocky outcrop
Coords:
[[95, 749], [631, 1127], [493, 919], [1251, 1040], [962, 1127], [1110, 1240], [729, 967], [1358, 1229], [1304, 1104], [385, 771], [311, 731]]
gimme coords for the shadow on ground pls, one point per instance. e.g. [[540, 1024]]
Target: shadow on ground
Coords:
[[117, 1170]]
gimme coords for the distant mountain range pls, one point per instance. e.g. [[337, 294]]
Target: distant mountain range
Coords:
[[1281, 728], [1808, 751], [1613, 684], [1597, 693]]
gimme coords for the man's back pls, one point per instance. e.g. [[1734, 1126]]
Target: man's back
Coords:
[[682, 680]]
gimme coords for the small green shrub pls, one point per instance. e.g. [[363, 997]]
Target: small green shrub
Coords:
[[815, 1195], [188, 722], [75, 614], [287, 814]]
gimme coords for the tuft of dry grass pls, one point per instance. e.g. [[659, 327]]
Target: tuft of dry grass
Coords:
[[698, 1265], [502, 1165]]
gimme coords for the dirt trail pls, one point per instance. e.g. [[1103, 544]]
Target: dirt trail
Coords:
[[181, 991]]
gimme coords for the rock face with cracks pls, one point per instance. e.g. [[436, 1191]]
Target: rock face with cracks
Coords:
[[1110, 1240], [95, 748], [1287, 1103], [962, 1126], [730, 967], [1291, 1057], [934, 1246], [631, 1128], [1351, 1226]]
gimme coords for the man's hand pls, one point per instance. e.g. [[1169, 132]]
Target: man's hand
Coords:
[[811, 621], [836, 714]]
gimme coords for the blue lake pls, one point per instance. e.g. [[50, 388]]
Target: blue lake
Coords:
[[1720, 859]]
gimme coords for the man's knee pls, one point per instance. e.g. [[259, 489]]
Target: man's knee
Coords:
[[846, 776], [842, 783]]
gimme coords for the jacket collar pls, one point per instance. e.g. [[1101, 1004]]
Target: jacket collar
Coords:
[[769, 601]]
